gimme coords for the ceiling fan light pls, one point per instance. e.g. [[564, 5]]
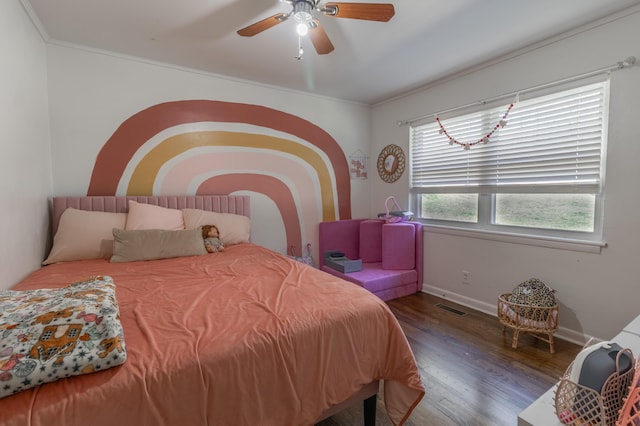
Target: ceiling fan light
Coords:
[[302, 29]]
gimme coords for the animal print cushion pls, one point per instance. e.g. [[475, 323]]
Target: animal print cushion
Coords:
[[533, 292], [49, 334]]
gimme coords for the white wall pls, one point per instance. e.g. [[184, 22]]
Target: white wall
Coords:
[[597, 293], [25, 159], [92, 93]]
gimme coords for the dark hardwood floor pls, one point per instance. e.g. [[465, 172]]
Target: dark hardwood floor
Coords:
[[471, 374]]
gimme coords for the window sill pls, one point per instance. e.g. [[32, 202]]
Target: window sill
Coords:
[[531, 240]]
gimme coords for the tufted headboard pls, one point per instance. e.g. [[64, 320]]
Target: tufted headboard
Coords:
[[236, 204]]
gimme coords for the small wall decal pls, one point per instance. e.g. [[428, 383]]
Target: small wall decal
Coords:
[[358, 165]]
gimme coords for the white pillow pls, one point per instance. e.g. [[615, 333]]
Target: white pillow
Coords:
[[234, 228], [148, 216], [84, 234]]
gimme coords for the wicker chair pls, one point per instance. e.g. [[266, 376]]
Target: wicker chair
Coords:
[[540, 322]]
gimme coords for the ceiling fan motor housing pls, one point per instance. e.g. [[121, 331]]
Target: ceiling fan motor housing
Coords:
[[302, 11]]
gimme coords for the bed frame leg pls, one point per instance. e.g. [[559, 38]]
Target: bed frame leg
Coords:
[[370, 411]]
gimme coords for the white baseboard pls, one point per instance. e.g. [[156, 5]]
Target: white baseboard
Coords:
[[492, 309]]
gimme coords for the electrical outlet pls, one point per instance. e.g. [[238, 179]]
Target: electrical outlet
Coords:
[[466, 277]]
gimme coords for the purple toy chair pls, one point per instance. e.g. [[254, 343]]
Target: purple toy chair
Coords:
[[391, 253]]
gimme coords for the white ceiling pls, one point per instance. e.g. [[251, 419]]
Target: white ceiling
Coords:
[[372, 61]]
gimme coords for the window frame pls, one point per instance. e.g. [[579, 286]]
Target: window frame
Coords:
[[486, 227]]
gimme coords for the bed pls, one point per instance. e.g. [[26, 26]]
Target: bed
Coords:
[[245, 336]]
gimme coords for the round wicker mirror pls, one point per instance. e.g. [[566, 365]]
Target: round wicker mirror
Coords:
[[391, 163]]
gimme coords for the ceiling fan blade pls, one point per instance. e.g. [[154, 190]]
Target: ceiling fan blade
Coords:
[[265, 24], [320, 39], [368, 11]]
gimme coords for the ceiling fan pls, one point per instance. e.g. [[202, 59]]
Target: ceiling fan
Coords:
[[302, 14]]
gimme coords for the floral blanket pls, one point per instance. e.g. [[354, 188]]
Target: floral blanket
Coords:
[[50, 334]]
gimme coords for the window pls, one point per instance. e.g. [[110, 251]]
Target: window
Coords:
[[540, 172]]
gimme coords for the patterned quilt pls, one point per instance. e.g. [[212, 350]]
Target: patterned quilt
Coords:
[[49, 334]]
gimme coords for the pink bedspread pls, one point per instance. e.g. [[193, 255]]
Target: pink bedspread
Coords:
[[242, 337]]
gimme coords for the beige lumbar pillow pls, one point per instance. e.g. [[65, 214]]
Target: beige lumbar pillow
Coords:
[[151, 244]]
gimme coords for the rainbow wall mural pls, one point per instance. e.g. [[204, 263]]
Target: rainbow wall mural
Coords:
[[212, 147]]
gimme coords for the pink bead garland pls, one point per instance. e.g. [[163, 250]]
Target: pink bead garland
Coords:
[[485, 139]]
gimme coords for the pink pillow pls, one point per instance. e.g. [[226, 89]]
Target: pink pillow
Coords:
[[84, 235], [148, 216]]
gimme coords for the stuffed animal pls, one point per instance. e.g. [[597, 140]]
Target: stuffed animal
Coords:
[[212, 241]]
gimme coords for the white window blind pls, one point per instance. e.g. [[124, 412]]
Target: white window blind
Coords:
[[552, 143]]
